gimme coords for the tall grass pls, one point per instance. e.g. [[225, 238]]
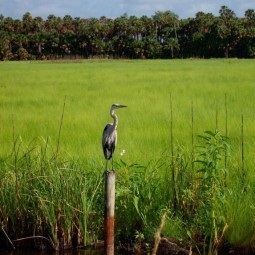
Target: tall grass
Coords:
[[45, 196], [51, 177]]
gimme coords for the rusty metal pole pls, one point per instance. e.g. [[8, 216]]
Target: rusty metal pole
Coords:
[[109, 212]]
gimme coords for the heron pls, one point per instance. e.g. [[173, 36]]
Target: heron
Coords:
[[109, 138]]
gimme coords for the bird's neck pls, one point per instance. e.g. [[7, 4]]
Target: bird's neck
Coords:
[[115, 119]]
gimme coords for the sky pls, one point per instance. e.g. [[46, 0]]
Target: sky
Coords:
[[116, 8]]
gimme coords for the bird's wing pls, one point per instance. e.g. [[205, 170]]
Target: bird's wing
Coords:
[[109, 140]]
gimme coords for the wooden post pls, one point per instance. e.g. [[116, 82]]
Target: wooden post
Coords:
[[109, 212]]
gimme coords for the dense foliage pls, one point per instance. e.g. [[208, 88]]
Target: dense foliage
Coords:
[[163, 35]]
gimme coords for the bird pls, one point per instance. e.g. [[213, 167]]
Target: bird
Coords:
[[109, 138]]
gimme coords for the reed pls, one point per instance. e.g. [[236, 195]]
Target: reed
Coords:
[[45, 196]]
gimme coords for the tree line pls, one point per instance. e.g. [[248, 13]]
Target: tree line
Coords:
[[162, 35]]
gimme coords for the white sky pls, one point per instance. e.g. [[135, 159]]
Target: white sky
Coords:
[[116, 8]]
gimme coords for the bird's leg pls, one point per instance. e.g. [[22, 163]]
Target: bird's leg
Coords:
[[106, 161], [112, 162]]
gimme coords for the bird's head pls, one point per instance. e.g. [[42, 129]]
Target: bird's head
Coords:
[[117, 106]]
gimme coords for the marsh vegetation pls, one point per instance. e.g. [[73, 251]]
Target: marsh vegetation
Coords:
[[188, 138]]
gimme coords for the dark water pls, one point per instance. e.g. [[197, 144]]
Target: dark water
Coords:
[[69, 252]]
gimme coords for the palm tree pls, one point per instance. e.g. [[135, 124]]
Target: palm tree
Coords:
[[166, 24], [205, 35], [227, 29]]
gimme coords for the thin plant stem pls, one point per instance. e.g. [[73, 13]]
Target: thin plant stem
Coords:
[[9, 240], [216, 118], [60, 128], [192, 136], [226, 134], [242, 147], [172, 154]]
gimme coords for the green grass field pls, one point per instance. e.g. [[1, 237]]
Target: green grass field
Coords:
[[32, 97], [190, 95]]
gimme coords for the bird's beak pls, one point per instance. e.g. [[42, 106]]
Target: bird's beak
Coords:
[[121, 106]]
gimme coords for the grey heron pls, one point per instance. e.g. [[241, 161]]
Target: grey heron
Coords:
[[109, 138]]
